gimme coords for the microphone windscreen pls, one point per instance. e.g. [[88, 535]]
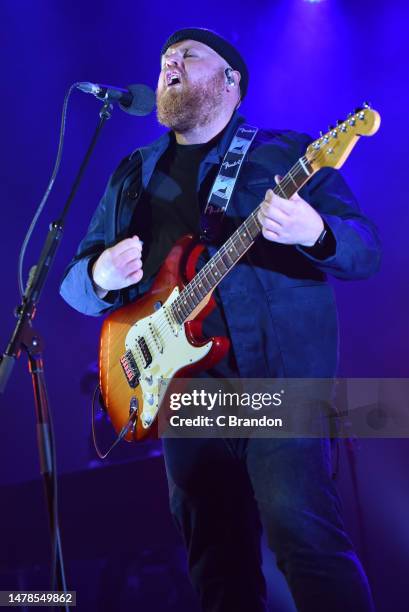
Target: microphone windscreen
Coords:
[[143, 101]]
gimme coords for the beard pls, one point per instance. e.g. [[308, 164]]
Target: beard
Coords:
[[193, 105]]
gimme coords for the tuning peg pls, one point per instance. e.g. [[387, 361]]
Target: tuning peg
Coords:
[[341, 125], [366, 105], [323, 137]]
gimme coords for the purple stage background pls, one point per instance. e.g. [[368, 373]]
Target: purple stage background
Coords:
[[310, 64]]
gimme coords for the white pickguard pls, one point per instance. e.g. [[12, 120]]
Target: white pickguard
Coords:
[[170, 351]]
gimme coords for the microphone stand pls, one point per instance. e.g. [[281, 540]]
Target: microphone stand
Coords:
[[25, 337]]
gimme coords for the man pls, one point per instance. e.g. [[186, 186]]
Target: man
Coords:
[[220, 489]]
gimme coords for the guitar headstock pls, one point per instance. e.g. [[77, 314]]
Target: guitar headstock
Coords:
[[332, 148]]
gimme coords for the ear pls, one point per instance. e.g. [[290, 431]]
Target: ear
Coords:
[[232, 77], [236, 76]]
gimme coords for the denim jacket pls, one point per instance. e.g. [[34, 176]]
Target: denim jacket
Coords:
[[280, 310]]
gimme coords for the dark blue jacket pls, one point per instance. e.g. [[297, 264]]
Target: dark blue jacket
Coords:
[[280, 310]]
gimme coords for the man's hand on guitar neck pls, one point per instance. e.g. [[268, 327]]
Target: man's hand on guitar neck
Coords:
[[292, 221], [118, 267]]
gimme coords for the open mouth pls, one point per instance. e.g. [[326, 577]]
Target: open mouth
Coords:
[[172, 78]]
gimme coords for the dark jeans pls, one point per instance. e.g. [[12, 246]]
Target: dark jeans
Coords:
[[222, 492]]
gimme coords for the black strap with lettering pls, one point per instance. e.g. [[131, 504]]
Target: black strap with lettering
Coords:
[[225, 181]]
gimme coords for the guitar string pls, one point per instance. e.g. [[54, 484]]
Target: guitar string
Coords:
[[296, 172], [287, 180], [193, 285], [164, 330], [293, 173], [238, 235]]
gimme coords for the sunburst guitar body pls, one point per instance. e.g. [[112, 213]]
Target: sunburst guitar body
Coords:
[[143, 344]]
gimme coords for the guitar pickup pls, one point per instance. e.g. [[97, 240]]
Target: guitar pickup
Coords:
[[156, 337], [130, 369], [145, 351]]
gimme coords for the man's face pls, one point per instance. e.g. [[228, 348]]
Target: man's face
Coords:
[[191, 86]]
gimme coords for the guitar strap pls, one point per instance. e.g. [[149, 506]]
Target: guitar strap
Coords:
[[225, 182]]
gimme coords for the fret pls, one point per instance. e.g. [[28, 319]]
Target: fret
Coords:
[[193, 288], [180, 308], [244, 236], [251, 231], [219, 262], [206, 279], [303, 163], [200, 285], [292, 178], [182, 305], [179, 317], [300, 173], [203, 281], [192, 297], [278, 188], [234, 248], [197, 288], [210, 272], [176, 315], [218, 272], [187, 300], [295, 178], [238, 243], [226, 257]]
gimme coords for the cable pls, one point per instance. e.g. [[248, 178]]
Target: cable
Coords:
[[47, 191], [132, 417], [56, 548]]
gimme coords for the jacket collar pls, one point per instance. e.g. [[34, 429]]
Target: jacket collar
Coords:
[[151, 153]]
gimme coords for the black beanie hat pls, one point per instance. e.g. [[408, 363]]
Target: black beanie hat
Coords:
[[218, 44]]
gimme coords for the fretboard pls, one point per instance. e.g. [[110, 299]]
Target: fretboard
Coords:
[[206, 280]]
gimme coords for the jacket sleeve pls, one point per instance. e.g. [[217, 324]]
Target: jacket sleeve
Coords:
[[357, 253], [77, 288]]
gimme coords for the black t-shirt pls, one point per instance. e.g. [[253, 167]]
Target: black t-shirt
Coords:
[[169, 208]]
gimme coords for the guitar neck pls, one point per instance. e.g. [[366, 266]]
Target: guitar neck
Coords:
[[207, 279]]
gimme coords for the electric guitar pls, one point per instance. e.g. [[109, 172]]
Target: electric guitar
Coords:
[[159, 336]]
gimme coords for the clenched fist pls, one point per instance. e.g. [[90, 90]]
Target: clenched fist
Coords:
[[118, 267]]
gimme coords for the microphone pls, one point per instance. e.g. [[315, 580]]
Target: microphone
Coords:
[[135, 99]]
